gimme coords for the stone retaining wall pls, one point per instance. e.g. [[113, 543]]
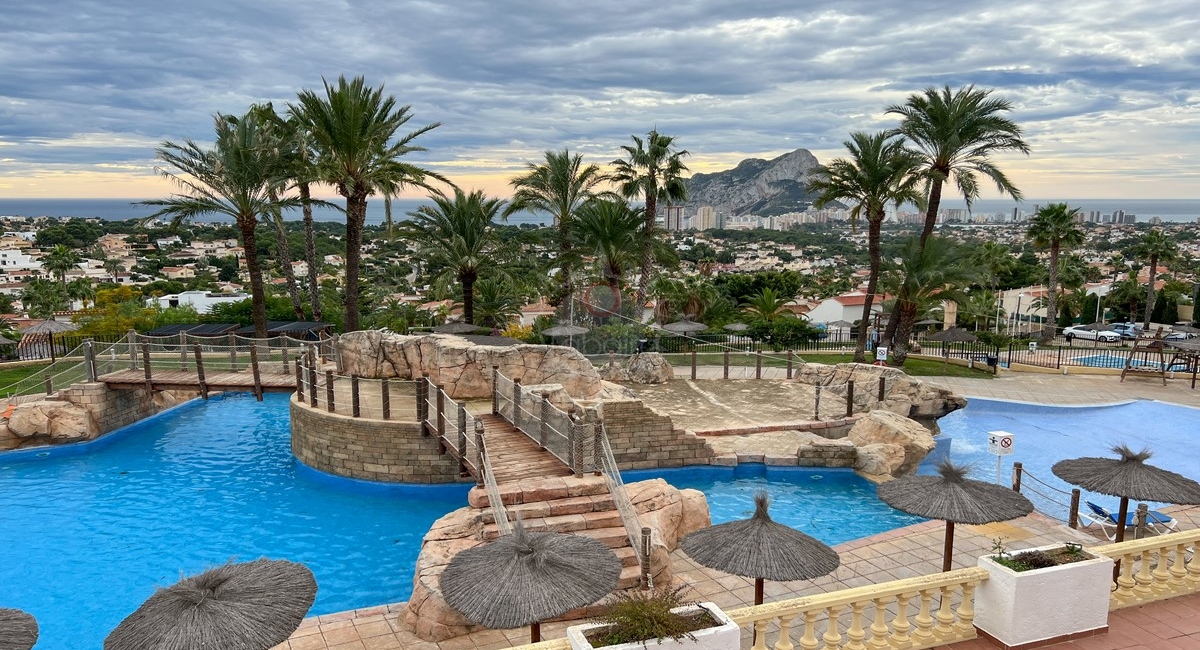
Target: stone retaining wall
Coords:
[[643, 439], [83, 411], [390, 451]]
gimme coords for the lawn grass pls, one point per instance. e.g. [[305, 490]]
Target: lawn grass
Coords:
[[11, 375], [914, 367]]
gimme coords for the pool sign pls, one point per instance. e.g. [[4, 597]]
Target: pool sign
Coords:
[[1000, 443]]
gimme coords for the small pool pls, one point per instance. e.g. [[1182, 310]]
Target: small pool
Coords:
[[1113, 361], [833, 505], [88, 531]]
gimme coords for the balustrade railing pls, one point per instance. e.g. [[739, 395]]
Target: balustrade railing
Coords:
[[1154, 568]]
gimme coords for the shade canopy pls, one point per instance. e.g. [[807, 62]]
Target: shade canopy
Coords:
[[1185, 329], [51, 327], [952, 335], [685, 326], [1128, 476], [760, 547], [250, 606], [525, 577], [840, 323], [928, 321], [565, 330], [737, 327], [456, 328], [18, 630], [951, 496], [8, 341]]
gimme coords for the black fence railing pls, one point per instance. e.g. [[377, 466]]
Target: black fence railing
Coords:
[[1087, 354], [50, 346]]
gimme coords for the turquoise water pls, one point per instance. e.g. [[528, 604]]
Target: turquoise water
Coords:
[[833, 505], [1044, 435], [87, 532], [1110, 361]]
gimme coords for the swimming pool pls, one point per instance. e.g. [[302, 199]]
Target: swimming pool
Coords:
[[1045, 435], [88, 531], [1112, 361]]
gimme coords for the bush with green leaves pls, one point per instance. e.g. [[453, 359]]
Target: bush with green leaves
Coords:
[[783, 333], [644, 615]]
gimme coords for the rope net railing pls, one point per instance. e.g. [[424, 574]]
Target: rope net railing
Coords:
[[495, 503], [349, 395], [616, 488], [70, 368]]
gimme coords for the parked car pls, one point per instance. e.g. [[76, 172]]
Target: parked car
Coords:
[[1127, 330], [1179, 336], [1089, 334]]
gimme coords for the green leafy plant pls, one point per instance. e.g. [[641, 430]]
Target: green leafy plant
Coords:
[[643, 615], [1030, 560]]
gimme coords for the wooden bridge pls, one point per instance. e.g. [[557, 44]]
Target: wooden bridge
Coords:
[[191, 380]]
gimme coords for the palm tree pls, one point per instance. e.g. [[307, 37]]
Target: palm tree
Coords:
[[926, 275], [652, 169], [880, 171], [81, 289], [1156, 247], [239, 177], [767, 305], [457, 235], [557, 187], [113, 267], [496, 303], [995, 259], [352, 130], [956, 133], [41, 298], [1118, 265], [611, 233], [61, 260], [691, 296], [1054, 227], [1125, 294]]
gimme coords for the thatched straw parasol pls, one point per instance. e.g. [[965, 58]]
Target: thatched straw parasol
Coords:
[[952, 335], [51, 327], [456, 328], [1128, 477], [18, 630], [565, 330], [685, 326], [928, 321], [525, 578], [955, 499], [840, 323], [8, 341], [252, 606], [760, 548], [737, 327]]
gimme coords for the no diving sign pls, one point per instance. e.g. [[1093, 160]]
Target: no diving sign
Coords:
[[1000, 443]]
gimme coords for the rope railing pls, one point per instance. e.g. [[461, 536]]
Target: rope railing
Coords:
[[616, 488], [495, 503], [357, 397]]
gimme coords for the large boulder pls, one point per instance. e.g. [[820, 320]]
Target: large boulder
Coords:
[[902, 394], [649, 368], [464, 368], [885, 427], [59, 420], [880, 459]]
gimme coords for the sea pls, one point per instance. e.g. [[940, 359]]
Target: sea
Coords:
[[1171, 210]]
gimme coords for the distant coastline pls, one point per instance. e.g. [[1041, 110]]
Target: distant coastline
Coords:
[[1172, 210]]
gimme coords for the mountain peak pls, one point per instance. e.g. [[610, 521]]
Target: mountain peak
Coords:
[[757, 186]]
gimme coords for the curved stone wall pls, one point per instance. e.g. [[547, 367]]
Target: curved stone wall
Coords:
[[375, 450]]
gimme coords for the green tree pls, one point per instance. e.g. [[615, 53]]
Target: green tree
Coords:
[[690, 296], [557, 187], [652, 169], [925, 275], [457, 235], [81, 289], [1155, 247], [59, 261], [611, 234], [1054, 227], [879, 171], [41, 298], [113, 267], [767, 306], [1124, 298], [239, 177], [352, 130], [497, 303]]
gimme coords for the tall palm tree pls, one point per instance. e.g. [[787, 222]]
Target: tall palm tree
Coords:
[[652, 169], [925, 275], [767, 305], [558, 187], [1054, 227], [41, 298], [956, 132], [81, 289], [994, 259], [691, 296], [611, 233], [1156, 247], [457, 235], [497, 302], [59, 261], [352, 130], [239, 177], [113, 267], [879, 171]]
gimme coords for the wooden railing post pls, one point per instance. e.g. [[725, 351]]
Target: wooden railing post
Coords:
[[254, 372], [758, 364], [49, 384], [329, 401], [131, 341], [597, 447], [423, 402], [182, 351], [283, 351], [146, 363], [882, 389], [790, 356], [1016, 477], [817, 405], [574, 433], [299, 384], [231, 340], [693, 364], [850, 398], [200, 373], [479, 469], [725, 365], [1073, 516], [516, 400], [354, 398], [441, 410], [644, 557], [385, 398], [543, 423], [89, 359], [312, 377], [462, 439], [495, 390], [1139, 519]]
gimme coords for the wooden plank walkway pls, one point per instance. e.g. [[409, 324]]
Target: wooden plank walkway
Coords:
[[514, 456], [189, 380]]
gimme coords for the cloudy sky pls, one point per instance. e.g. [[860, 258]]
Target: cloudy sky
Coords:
[[1107, 92]]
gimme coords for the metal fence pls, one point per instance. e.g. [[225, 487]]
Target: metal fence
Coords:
[[1086, 354]]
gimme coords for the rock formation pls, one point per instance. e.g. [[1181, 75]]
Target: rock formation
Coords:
[[903, 395], [763, 187], [890, 429], [464, 368], [60, 420], [880, 459], [649, 368]]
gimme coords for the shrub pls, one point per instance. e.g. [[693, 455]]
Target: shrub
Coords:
[[642, 615]]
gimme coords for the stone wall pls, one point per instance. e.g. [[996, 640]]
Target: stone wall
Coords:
[[903, 394], [375, 450], [85, 411], [642, 439]]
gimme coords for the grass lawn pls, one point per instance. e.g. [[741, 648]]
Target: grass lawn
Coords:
[[914, 367], [9, 376]]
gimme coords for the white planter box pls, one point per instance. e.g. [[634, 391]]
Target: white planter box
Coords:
[[726, 636], [1043, 605]]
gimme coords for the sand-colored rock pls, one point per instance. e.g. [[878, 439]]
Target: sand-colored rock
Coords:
[[465, 369], [814, 450], [903, 394], [879, 459], [649, 368], [60, 420], [886, 427]]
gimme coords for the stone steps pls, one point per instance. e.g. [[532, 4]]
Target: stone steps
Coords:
[[543, 489], [576, 523], [542, 509]]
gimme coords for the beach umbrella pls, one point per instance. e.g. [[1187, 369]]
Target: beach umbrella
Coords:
[[525, 578], [840, 323], [1128, 477], [928, 321], [249, 606], [952, 335], [51, 327], [18, 630], [955, 499], [456, 328], [760, 548], [685, 326], [8, 341], [737, 327], [565, 330]]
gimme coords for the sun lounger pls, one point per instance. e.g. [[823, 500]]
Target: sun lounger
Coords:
[[1157, 522]]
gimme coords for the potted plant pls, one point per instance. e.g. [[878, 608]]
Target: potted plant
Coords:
[[662, 617], [1043, 595]]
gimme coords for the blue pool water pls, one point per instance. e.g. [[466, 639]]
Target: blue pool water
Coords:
[[833, 505], [1112, 361], [87, 532], [1044, 435]]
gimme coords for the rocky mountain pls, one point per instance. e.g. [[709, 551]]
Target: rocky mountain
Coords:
[[756, 186]]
